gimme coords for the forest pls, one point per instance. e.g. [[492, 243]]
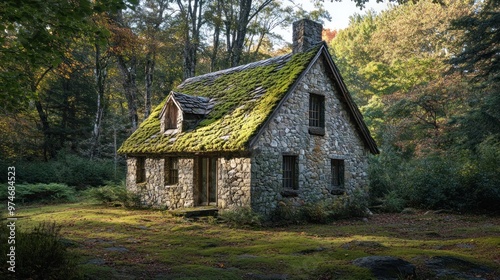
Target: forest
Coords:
[[78, 77]]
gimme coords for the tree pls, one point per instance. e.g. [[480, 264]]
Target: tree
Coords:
[[36, 36], [396, 63], [479, 62]]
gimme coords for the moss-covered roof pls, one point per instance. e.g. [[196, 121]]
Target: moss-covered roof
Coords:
[[244, 98], [197, 105]]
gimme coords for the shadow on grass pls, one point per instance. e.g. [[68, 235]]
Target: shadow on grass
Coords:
[[116, 242]]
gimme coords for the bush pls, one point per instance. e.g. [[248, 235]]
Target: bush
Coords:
[[323, 211], [114, 194], [460, 180], [393, 203], [241, 217], [67, 169], [40, 254], [42, 193], [318, 212], [286, 213]]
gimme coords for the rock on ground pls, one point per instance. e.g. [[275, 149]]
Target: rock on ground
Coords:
[[386, 267]]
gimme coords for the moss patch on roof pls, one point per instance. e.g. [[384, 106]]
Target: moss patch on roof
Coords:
[[245, 97]]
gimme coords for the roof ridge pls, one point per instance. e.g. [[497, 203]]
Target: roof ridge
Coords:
[[250, 65]]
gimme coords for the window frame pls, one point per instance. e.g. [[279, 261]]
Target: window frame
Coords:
[[171, 170], [290, 172], [316, 114], [171, 116], [337, 169], [140, 172]]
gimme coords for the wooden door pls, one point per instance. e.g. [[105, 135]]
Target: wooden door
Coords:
[[207, 181]]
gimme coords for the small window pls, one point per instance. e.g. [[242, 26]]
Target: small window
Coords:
[[171, 170], [337, 176], [141, 170], [171, 116], [290, 173], [316, 114]]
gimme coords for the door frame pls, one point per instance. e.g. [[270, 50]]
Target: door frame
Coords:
[[206, 188]]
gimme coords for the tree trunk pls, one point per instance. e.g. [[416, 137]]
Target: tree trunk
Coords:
[[193, 23], [242, 23], [217, 29], [48, 151], [100, 78], [130, 88], [149, 72]]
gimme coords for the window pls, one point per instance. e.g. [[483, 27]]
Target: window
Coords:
[[171, 171], [316, 114], [290, 174], [171, 116], [141, 170], [337, 176]]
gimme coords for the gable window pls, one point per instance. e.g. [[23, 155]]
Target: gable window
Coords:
[[316, 114], [337, 167], [171, 116], [290, 172], [171, 170], [140, 175]]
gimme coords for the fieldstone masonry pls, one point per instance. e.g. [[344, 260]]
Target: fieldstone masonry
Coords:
[[233, 183], [234, 179], [288, 134], [256, 181], [306, 34]]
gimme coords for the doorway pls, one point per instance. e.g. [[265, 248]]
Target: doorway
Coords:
[[207, 181]]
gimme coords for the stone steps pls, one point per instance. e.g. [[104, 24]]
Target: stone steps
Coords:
[[194, 212]]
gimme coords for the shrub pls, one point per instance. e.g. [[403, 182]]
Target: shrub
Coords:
[[114, 194], [240, 217], [42, 193], [318, 212], [352, 205], [461, 180], [286, 213], [66, 169], [393, 203], [40, 254]]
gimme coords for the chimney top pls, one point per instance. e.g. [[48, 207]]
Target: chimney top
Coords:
[[306, 34]]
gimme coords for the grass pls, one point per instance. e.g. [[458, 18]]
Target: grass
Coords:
[[118, 243]]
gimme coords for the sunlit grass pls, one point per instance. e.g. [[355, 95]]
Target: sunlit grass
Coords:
[[114, 242]]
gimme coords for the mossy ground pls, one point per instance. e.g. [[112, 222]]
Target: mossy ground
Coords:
[[117, 243]]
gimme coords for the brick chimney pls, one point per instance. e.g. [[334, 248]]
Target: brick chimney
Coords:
[[306, 34]]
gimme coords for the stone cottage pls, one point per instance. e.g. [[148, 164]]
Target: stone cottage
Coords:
[[254, 135]]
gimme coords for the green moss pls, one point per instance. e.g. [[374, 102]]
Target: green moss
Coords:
[[236, 117]]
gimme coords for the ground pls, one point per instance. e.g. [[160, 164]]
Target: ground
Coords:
[[119, 243]]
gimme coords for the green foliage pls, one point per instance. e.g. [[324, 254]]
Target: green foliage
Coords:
[[114, 195], [67, 169], [40, 253], [393, 203], [318, 212], [42, 193], [459, 180], [350, 205], [286, 213], [36, 36], [241, 217], [322, 211]]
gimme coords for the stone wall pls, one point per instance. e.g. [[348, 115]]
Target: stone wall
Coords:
[[154, 191], [288, 134], [233, 182]]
